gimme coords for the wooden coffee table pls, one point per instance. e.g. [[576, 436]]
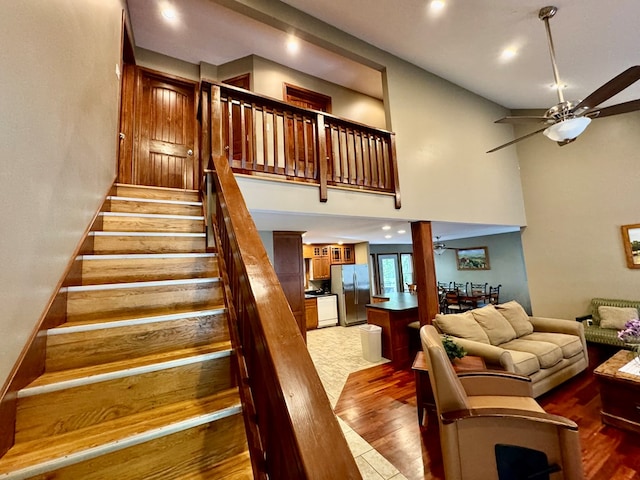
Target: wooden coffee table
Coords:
[[620, 393], [424, 394]]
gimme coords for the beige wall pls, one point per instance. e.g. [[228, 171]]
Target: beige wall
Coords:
[[577, 197], [268, 79], [442, 133], [58, 133]]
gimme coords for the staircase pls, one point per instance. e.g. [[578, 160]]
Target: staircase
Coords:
[[138, 382]]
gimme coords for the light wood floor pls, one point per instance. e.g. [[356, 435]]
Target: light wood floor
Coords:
[[379, 404]]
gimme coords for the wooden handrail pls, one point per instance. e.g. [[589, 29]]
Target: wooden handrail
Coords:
[[292, 430], [261, 135]]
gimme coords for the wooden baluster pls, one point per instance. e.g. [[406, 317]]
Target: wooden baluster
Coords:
[[276, 158], [394, 170], [265, 141], [322, 155], [243, 136], [251, 138]]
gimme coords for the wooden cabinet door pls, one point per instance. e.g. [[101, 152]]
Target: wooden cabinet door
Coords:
[[348, 254], [311, 313]]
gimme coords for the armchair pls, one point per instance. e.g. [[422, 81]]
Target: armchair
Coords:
[[483, 414]]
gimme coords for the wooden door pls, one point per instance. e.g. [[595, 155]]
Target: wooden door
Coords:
[[164, 154], [300, 140]]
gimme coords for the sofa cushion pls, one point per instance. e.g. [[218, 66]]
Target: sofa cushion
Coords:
[[547, 353], [524, 363], [497, 328], [616, 317], [569, 344], [461, 325], [516, 316]]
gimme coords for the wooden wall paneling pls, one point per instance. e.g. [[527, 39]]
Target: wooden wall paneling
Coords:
[[289, 267]]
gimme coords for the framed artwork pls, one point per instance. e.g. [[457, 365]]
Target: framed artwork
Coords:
[[631, 242], [475, 258]]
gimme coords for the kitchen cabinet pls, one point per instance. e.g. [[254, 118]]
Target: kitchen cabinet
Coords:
[[311, 313], [320, 262], [342, 254]]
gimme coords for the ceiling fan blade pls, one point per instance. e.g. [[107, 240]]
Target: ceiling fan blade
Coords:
[[522, 119], [517, 140], [625, 107], [609, 89]]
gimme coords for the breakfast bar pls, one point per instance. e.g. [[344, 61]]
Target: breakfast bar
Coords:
[[393, 312]]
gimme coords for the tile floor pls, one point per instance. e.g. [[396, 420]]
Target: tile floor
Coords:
[[336, 352]]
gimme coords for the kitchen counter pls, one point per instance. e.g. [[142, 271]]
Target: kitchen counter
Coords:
[[395, 301], [393, 316], [308, 295]]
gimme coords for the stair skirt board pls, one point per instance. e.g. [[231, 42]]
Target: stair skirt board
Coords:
[[117, 445]]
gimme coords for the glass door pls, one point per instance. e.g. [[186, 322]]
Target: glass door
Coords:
[[389, 273]]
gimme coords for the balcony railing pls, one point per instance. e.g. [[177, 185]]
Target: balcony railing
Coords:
[[262, 136]]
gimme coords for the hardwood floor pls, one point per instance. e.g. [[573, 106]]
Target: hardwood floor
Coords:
[[379, 404]]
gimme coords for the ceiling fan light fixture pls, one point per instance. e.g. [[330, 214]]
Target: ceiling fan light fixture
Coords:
[[567, 129], [438, 247]]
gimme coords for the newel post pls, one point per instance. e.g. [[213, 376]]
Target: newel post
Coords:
[[322, 156], [216, 122]]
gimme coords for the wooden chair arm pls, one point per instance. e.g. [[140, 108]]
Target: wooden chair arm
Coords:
[[540, 417], [496, 383]]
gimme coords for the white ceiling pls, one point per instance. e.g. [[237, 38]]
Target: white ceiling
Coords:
[[594, 41]]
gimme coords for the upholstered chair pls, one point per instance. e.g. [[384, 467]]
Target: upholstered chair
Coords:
[[492, 428]]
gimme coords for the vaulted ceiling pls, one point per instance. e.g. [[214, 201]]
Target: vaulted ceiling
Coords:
[[463, 42]]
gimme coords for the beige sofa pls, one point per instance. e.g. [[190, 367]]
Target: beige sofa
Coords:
[[547, 350]]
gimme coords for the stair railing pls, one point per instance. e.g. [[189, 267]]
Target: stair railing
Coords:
[[262, 136], [291, 428]]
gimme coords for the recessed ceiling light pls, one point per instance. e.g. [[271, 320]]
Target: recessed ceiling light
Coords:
[[386, 227], [402, 231], [388, 236], [293, 45], [437, 6], [340, 242], [508, 54], [169, 13]]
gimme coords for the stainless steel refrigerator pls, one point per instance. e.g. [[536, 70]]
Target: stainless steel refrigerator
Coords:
[[351, 284]]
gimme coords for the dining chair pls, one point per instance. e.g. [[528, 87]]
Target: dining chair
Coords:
[[453, 303], [494, 295]]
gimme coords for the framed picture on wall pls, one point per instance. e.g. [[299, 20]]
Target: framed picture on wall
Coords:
[[631, 242], [475, 258]]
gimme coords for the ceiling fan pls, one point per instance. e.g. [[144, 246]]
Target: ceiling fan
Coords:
[[439, 247], [568, 119]]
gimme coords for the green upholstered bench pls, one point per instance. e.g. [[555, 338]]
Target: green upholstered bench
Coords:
[[594, 333]]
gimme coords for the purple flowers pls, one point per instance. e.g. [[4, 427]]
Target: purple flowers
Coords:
[[631, 332]]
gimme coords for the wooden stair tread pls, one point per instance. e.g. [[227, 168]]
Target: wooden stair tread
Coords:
[[124, 318], [49, 448], [237, 467], [50, 378]]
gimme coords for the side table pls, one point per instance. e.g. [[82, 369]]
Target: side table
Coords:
[[619, 392], [424, 394]]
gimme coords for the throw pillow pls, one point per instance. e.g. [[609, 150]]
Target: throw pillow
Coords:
[[461, 325], [616, 317], [497, 328], [516, 316]]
